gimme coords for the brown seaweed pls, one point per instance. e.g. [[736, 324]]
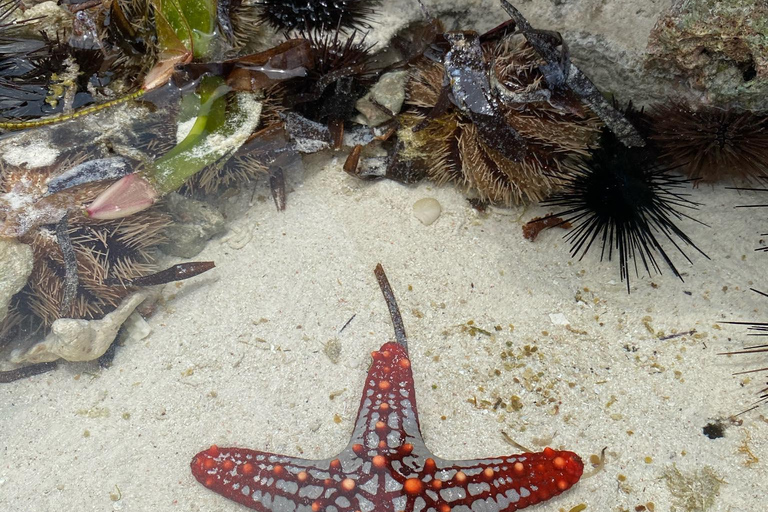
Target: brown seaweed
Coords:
[[258, 71]]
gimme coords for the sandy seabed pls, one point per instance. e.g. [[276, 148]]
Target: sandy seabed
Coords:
[[237, 357]]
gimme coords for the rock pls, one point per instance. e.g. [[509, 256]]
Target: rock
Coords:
[[427, 210], [718, 48], [194, 223], [78, 340], [50, 18], [388, 94], [607, 38], [17, 261], [136, 329]]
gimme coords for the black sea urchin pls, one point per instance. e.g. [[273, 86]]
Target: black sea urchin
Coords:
[[341, 74], [130, 37], [312, 15], [711, 143], [622, 198]]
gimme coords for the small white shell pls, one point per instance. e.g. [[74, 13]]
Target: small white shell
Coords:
[[427, 210]]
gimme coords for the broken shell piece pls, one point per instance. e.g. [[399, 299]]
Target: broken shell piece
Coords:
[[427, 210], [100, 169], [78, 340], [385, 99]]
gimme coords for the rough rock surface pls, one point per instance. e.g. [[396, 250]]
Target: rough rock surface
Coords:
[[388, 94], [194, 223], [607, 38], [643, 50], [16, 265], [717, 48]]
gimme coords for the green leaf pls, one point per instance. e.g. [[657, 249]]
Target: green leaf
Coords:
[[216, 133], [187, 24]]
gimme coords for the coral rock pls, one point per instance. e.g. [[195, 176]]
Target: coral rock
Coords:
[[17, 265], [719, 48], [387, 94], [195, 222]]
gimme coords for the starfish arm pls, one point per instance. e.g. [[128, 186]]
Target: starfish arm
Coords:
[[386, 467], [270, 482], [507, 483], [387, 417]]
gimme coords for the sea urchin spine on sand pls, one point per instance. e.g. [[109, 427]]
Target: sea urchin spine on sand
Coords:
[[755, 329]]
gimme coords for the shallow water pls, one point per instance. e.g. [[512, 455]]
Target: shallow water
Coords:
[[506, 335]]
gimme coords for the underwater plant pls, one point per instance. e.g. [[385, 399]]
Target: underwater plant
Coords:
[[621, 198], [711, 143], [226, 112]]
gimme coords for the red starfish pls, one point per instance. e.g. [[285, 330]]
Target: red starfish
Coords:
[[386, 467]]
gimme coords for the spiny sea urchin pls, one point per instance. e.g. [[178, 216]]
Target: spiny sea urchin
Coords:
[[251, 162], [311, 15], [340, 75], [129, 34], [253, 159], [241, 25], [106, 251], [711, 143], [95, 251], [55, 73], [623, 199], [452, 150]]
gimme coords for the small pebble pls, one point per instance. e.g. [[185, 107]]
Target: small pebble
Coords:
[[427, 210]]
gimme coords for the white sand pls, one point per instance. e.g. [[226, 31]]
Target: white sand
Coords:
[[236, 357]]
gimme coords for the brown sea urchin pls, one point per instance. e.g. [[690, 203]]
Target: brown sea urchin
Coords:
[[452, 150], [98, 253], [106, 251], [711, 143]]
